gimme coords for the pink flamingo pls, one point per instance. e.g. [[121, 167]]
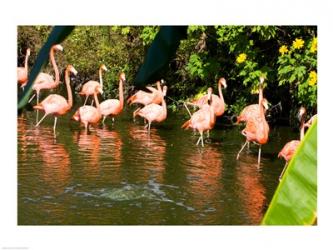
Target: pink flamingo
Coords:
[[203, 119], [114, 107], [46, 81], [251, 111], [56, 104], [154, 112], [217, 100], [289, 149], [90, 87], [145, 98], [22, 72], [257, 128], [88, 114]]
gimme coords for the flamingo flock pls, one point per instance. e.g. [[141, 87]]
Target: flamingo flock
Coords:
[[153, 107]]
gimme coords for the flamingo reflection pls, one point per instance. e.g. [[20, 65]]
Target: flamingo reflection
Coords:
[[204, 174], [251, 191], [150, 153]]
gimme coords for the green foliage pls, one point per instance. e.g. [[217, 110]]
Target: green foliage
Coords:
[[239, 53], [295, 200]]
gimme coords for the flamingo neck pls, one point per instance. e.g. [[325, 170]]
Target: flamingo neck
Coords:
[[26, 62], [121, 94], [100, 78], [69, 90], [159, 86], [302, 129], [164, 106], [220, 92], [261, 108], [55, 67]]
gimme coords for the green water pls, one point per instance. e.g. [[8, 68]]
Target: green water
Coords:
[[119, 175]]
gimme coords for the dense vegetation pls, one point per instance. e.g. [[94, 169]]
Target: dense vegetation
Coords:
[[286, 55]]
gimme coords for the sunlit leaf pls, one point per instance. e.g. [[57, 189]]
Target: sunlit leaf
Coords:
[[295, 200]]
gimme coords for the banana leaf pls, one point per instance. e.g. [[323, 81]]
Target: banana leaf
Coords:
[[159, 54], [295, 200], [57, 35]]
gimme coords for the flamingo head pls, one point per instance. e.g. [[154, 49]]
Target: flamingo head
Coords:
[[57, 47], [265, 103], [223, 82], [103, 67], [261, 80], [301, 113], [72, 69], [76, 116], [122, 76], [165, 89], [28, 52]]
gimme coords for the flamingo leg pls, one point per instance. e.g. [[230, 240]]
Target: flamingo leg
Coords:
[[241, 149], [259, 155], [92, 102], [55, 124], [248, 146], [37, 109], [85, 100], [40, 120], [112, 119], [198, 141], [207, 133], [33, 96], [284, 169], [201, 136], [104, 117], [149, 126], [187, 109]]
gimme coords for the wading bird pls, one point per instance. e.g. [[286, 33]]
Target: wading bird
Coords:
[[289, 149], [56, 104], [154, 112], [90, 87], [217, 100], [114, 107], [251, 111], [256, 129], [46, 81], [145, 98], [88, 114], [22, 72], [203, 119]]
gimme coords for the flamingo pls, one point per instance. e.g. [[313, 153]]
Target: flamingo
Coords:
[[203, 119], [56, 104], [22, 72], [289, 149], [217, 100], [114, 107], [257, 128], [145, 98], [90, 87], [88, 114], [154, 112], [251, 111]]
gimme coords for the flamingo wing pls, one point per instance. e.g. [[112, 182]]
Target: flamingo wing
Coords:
[[54, 104], [109, 107], [288, 150], [151, 112], [89, 87]]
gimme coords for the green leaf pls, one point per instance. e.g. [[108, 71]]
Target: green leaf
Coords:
[[57, 35], [295, 200]]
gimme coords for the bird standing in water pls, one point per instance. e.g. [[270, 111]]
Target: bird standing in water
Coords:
[[256, 129], [22, 72], [203, 119], [56, 104], [289, 149]]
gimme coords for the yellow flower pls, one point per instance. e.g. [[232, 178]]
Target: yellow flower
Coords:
[[298, 43], [283, 49], [241, 58], [312, 78], [313, 48]]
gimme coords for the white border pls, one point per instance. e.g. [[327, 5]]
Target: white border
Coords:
[[281, 12]]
